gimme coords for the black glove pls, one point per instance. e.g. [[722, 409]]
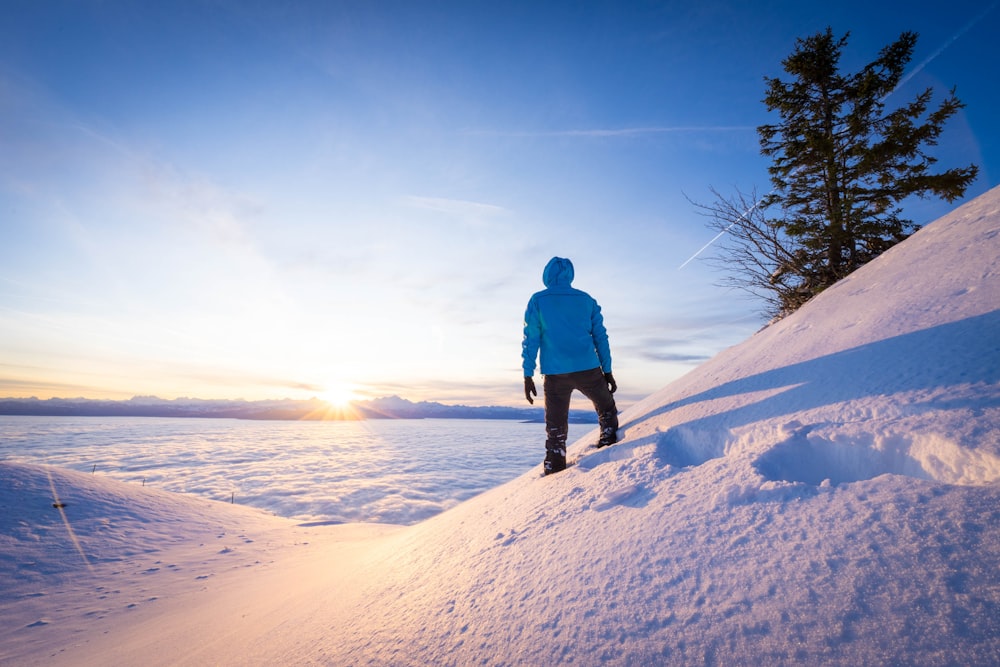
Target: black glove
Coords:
[[610, 379], [529, 390]]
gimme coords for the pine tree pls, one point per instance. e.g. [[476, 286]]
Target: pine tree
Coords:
[[843, 163]]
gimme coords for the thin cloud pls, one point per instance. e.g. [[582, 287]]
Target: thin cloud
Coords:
[[468, 211], [13, 387], [615, 132], [674, 357]]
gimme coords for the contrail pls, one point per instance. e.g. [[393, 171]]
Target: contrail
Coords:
[[906, 78], [944, 46], [705, 247], [719, 235]]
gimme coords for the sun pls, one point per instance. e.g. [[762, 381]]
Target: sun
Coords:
[[338, 394], [335, 402]]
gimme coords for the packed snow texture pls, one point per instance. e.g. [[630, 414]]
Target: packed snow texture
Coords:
[[827, 492]]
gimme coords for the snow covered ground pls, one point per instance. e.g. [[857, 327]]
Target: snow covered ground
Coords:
[[827, 492]]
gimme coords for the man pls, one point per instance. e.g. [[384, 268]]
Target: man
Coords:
[[564, 325]]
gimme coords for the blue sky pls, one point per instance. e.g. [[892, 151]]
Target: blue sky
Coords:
[[235, 199]]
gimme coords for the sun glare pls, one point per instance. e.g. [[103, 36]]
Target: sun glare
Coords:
[[338, 395]]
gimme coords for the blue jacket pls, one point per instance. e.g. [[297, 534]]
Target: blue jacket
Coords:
[[564, 324]]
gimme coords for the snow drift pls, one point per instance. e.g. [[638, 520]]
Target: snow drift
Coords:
[[826, 492]]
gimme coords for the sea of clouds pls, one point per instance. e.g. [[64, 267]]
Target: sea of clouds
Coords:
[[383, 471]]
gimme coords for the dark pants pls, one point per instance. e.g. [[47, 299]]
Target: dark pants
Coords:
[[558, 390]]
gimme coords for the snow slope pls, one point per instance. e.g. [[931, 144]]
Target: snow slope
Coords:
[[827, 492]]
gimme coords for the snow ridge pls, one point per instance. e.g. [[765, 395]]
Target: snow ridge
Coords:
[[827, 492]]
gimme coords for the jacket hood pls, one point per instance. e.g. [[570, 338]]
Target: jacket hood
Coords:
[[559, 271]]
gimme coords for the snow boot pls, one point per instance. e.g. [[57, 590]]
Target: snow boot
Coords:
[[555, 453], [609, 429], [554, 463], [609, 436]]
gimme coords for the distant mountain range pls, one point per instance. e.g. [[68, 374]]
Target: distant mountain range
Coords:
[[391, 407]]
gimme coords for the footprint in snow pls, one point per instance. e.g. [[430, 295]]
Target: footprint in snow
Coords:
[[507, 540], [634, 495]]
